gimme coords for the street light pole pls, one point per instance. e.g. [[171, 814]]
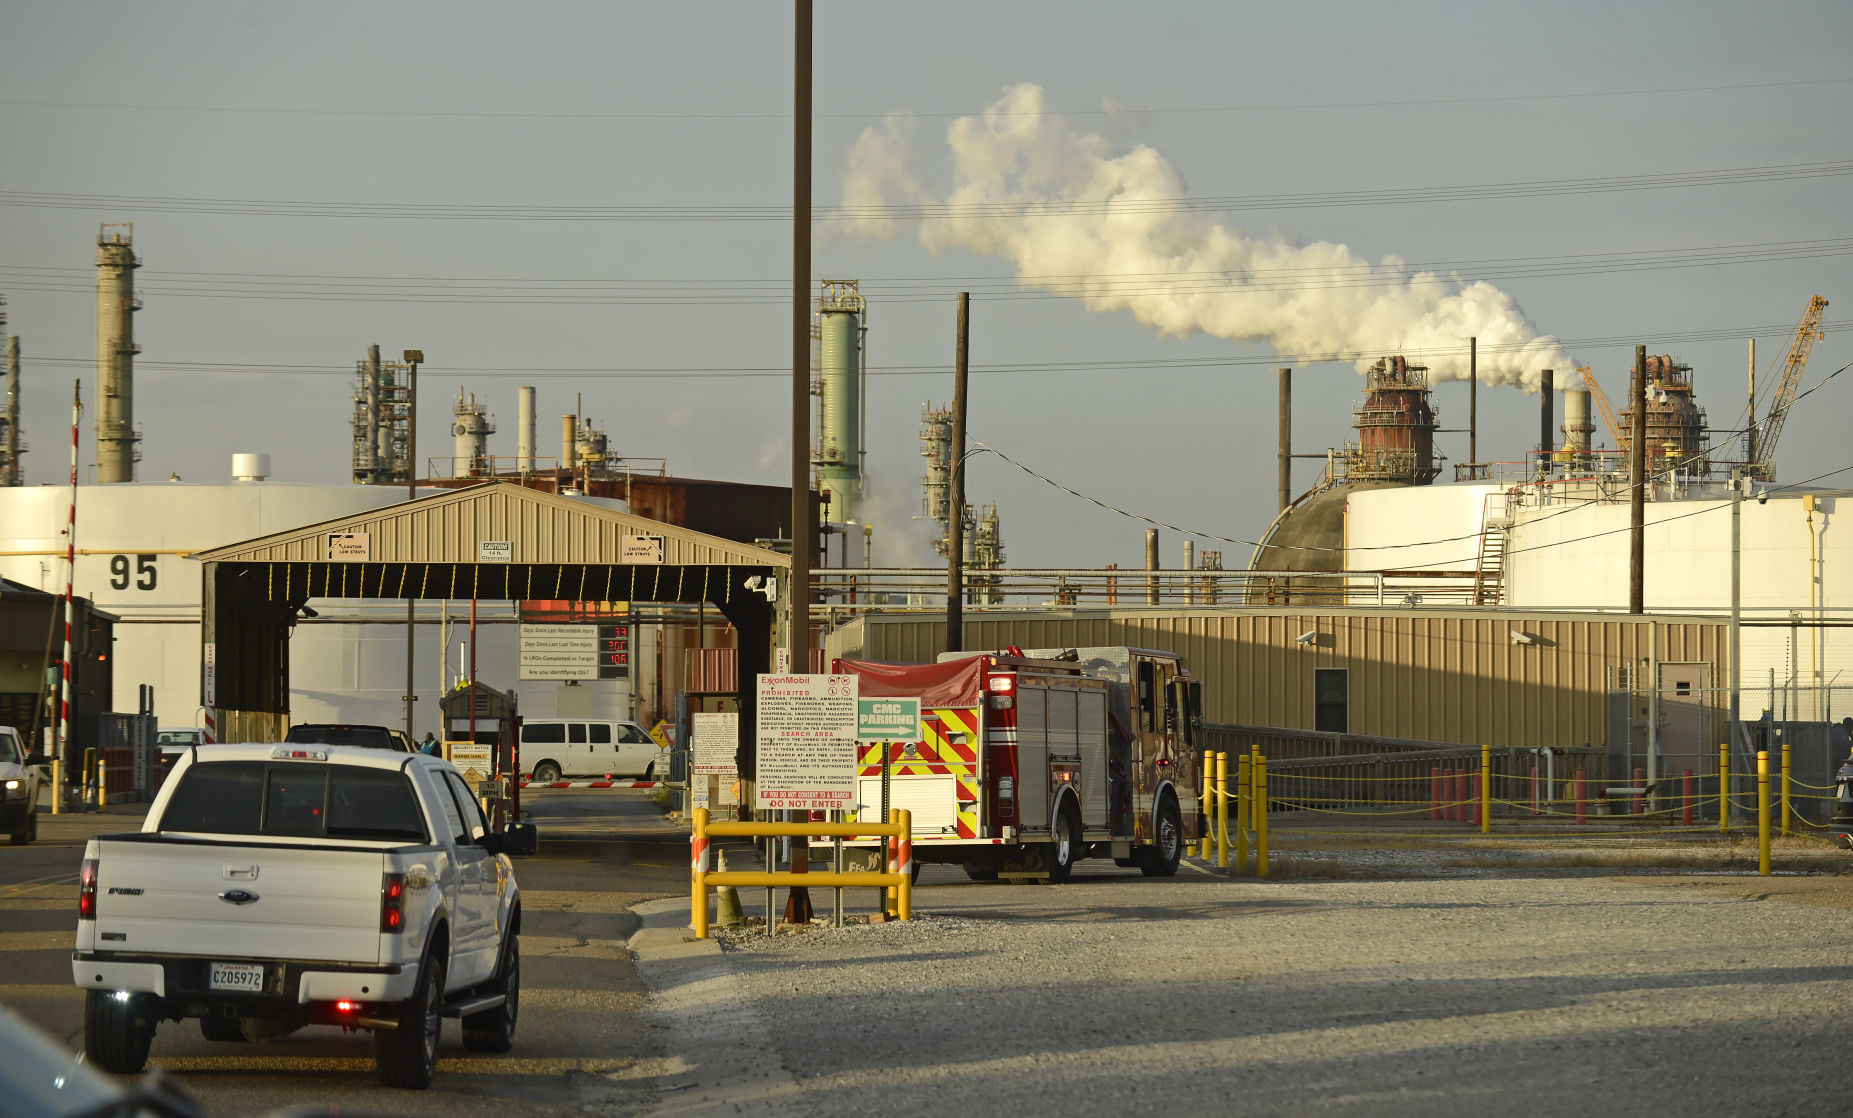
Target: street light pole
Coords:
[[413, 358]]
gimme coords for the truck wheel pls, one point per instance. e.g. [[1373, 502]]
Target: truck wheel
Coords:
[[118, 1028], [546, 772], [493, 1030], [408, 1055], [222, 1029], [1065, 851], [980, 871], [649, 771], [28, 829], [1162, 857]]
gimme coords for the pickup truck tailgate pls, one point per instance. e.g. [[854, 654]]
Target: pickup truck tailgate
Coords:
[[224, 899]]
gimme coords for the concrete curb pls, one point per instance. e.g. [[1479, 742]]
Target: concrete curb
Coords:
[[666, 934], [717, 1044]]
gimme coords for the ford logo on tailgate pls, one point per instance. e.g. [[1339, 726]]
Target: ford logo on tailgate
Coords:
[[237, 896]]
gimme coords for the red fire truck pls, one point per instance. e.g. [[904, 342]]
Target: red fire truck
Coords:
[[1030, 761]]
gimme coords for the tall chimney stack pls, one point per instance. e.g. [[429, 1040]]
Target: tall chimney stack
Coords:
[[524, 431], [116, 349], [569, 437], [1286, 438], [1547, 407]]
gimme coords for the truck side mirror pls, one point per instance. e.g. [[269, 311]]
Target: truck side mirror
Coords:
[[522, 839], [35, 758]]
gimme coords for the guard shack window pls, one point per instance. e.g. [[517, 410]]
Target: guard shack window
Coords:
[[1331, 699]]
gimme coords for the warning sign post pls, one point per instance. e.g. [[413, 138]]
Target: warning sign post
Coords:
[[806, 742]]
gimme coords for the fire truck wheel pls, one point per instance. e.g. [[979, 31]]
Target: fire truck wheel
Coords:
[[1161, 858], [980, 871], [1065, 851]]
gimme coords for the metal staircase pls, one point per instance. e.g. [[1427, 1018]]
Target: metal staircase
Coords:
[[1490, 568]]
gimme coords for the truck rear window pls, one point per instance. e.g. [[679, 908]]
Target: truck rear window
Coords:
[[316, 801]]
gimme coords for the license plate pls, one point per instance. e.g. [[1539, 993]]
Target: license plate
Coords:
[[248, 977]]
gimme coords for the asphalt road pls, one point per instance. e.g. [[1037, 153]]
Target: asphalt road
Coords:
[[582, 1046]]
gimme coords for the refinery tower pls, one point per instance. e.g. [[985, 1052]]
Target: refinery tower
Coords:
[[116, 350]]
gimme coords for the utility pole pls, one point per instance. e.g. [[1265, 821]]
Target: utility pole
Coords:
[[14, 475], [1286, 438], [955, 523], [1750, 412], [1740, 477], [1637, 484], [799, 629], [413, 358]]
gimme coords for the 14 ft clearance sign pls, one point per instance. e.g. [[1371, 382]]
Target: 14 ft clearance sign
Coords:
[[807, 742]]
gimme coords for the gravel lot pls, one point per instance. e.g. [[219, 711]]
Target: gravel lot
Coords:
[[1490, 991]]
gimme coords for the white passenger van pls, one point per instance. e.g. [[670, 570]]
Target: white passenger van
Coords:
[[553, 748]]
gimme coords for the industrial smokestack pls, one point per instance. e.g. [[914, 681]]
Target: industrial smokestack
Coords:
[[1286, 438], [1546, 406], [1473, 400], [13, 474], [569, 438], [1576, 425], [524, 431], [116, 439], [1151, 564]]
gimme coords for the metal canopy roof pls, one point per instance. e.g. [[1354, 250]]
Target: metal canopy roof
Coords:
[[538, 527]]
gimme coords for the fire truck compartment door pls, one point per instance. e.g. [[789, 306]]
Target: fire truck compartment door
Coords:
[[1033, 758], [1093, 731], [932, 799]]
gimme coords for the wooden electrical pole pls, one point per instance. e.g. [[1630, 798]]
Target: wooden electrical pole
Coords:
[[955, 520], [801, 528]]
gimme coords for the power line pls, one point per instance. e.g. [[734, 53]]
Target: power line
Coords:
[[1122, 206], [1264, 107], [1103, 366], [1124, 285]]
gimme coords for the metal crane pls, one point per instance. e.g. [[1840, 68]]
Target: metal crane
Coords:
[[1807, 332], [1602, 404]]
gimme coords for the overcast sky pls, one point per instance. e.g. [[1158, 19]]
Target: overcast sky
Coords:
[[668, 126]]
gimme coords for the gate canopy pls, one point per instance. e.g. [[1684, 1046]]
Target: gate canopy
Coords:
[[498, 540]]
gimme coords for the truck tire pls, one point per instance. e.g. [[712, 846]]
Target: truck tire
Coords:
[[981, 871], [1065, 850], [493, 1030], [223, 1029], [118, 1030], [546, 772], [1162, 857], [28, 828], [408, 1055]]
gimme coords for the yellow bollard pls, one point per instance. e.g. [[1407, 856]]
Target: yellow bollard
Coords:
[[1785, 787], [1762, 812], [57, 786], [1724, 787], [904, 891], [698, 890], [1222, 811], [1486, 789], [103, 787], [1241, 812], [1261, 813], [1204, 815]]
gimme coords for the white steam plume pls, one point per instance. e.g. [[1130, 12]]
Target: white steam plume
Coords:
[[1016, 171]]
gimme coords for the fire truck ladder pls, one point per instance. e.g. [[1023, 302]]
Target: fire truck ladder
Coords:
[[1489, 570]]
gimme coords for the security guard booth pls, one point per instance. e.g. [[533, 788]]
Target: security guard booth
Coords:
[[492, 541]]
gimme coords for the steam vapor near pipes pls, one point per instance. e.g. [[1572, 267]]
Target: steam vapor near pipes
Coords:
[[1027, 187]]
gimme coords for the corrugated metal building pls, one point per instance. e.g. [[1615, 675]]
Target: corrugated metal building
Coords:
[[1498, 678]]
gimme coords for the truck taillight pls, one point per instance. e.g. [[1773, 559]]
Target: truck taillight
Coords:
[[1001, 684], [1006, 790], [392, 903], [87, 890]]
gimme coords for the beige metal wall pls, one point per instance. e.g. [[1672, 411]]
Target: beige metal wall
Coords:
[[1432, 675]]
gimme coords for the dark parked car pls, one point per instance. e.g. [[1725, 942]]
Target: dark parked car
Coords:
[[335, 733]]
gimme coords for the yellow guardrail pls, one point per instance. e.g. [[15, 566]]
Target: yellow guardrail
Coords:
[[898, 880]]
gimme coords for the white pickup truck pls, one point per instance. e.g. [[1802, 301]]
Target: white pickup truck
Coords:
[[278, 886]]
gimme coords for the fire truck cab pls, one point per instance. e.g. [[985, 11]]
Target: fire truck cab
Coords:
[[1029, 761]]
